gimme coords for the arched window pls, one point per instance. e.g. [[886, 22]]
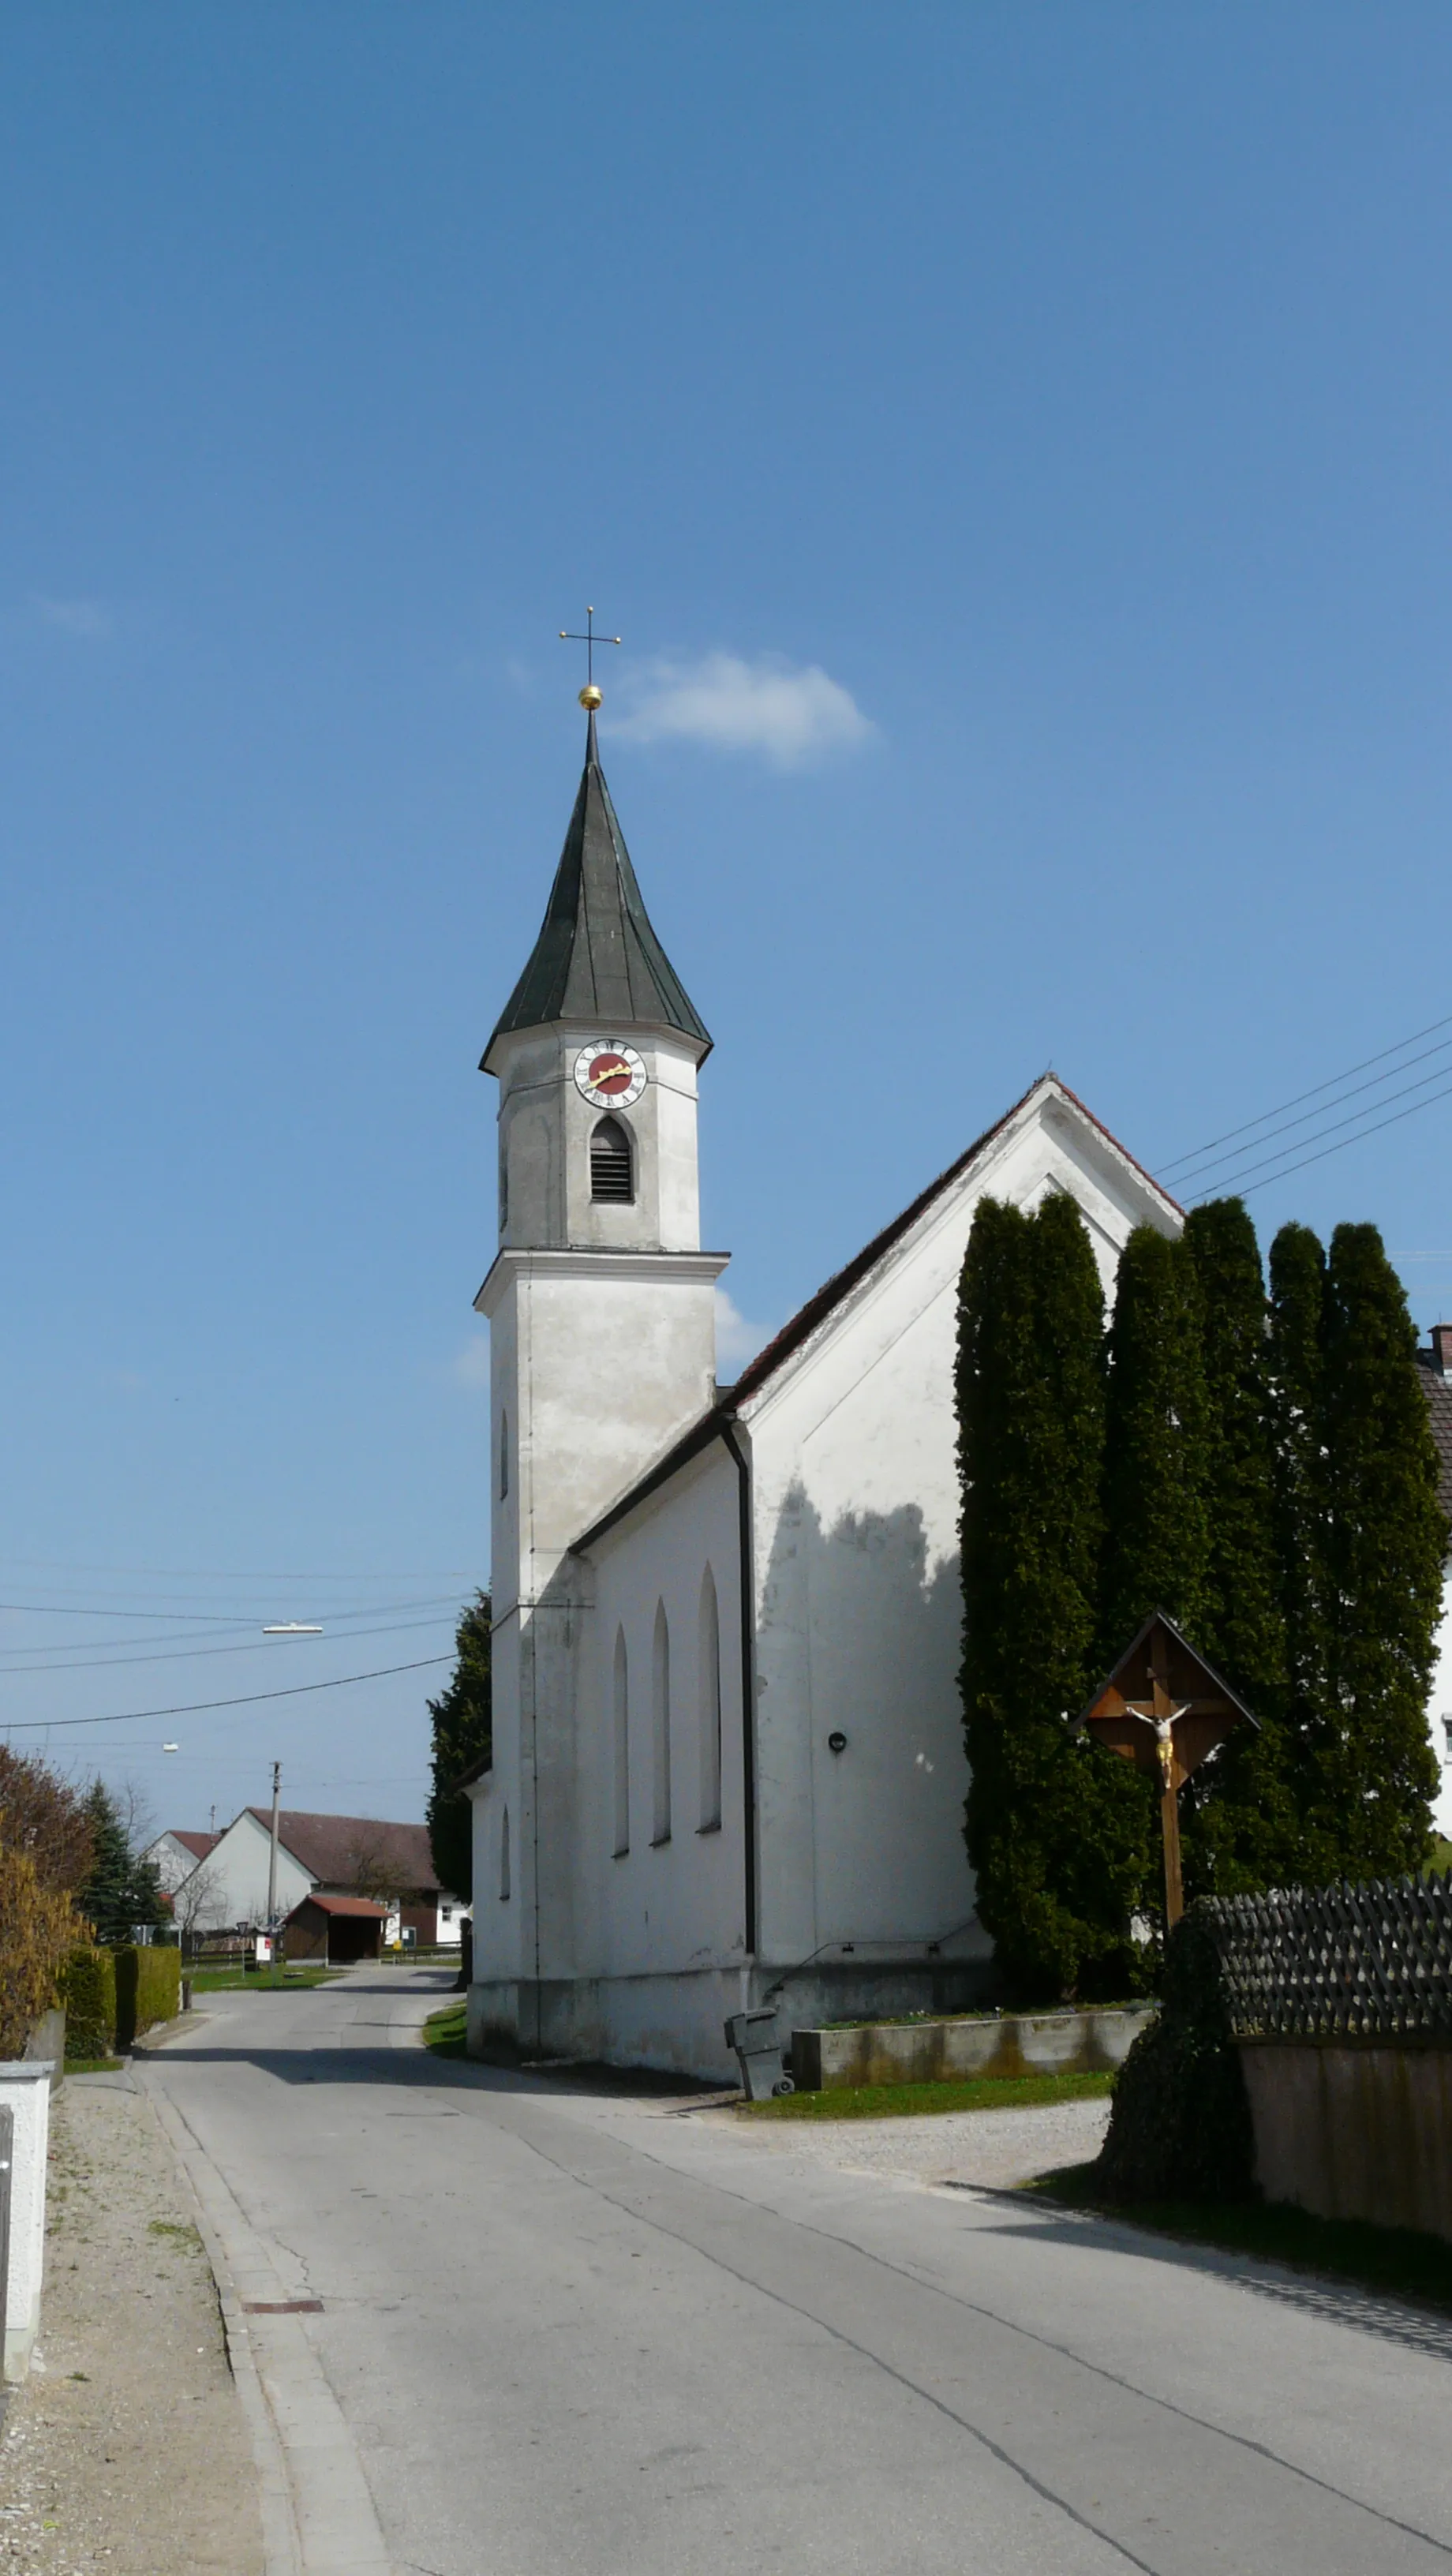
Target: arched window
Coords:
[[612, 1166], [660, 1713], [708, 1703], [622, 1746], [503, 1455], [504, 1858]]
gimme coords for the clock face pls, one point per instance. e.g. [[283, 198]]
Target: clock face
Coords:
[[612, 1076]]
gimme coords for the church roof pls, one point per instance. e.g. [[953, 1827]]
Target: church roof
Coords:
[[711, 1424], [597, 957]]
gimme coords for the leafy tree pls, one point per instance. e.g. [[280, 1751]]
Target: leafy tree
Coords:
[[462, 1737], [1297, 1300], [1374, 1773], [1238, 1815], [44, 1817], [121, 1891], [39, 1927], [1156, 1453], [1056, 1828]]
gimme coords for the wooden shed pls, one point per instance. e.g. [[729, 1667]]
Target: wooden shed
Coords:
[[336, 1930]]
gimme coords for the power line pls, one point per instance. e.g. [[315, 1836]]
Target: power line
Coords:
[[1330, 1084], [194, 1654], [1308, 1116], [248, 1699], [1228, 1181], [1395, 1120]]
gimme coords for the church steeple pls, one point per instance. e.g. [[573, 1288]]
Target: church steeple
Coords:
[[597, 957]]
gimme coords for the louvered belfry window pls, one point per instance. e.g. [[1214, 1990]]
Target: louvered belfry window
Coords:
[[611, 1172]]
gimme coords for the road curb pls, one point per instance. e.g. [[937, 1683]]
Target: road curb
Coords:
[[318, 2516]]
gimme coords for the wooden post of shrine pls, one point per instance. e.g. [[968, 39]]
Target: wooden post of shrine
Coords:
[[1164, 1709]]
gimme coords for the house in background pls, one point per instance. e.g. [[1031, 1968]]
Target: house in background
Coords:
[[388, 1865], [177, 1853]]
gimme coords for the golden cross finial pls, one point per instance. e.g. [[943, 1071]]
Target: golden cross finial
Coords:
[[589, 695]]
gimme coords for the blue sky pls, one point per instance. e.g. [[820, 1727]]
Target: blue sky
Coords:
[[1012, 441]]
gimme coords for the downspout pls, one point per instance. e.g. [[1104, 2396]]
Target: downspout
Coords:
[[748, 1675]]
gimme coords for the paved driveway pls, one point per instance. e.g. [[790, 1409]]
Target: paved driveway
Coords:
[[571, 2331]]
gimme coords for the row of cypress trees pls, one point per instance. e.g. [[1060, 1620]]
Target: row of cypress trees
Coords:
[[1257, 1463]]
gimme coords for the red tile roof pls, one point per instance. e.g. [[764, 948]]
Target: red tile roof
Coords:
[[341, 1905], [1438, 1392], [341, 1850], [197, 1844]]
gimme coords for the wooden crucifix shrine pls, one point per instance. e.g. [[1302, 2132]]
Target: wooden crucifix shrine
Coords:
[[1165, 1710]]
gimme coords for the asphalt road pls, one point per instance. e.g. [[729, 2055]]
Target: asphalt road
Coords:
[[565, 2330]]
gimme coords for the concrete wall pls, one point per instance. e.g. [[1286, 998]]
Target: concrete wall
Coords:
[[1354, 2131], [25, 2090], [934, 2052]]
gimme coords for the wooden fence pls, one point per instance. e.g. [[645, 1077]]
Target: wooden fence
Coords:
[[1371, 1962]]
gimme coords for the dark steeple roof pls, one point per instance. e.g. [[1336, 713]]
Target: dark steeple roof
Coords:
[[597, 957]]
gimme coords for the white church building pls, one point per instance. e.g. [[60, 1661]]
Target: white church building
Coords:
[[728, 1759], [728, 1763]]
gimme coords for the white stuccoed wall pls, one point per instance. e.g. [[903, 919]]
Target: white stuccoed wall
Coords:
[[25, 2091], [856, 1540], [237, 1875], [1439, 1711]]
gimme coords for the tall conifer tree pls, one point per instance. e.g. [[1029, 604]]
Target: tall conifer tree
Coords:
[[1297, 1298], [1386, 1538], [1157, 1549], [1056, 1828], [1239, 1817]]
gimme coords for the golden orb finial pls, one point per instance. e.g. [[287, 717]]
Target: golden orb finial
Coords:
[[590, 697]]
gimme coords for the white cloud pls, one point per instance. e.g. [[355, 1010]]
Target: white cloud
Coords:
[[76, 616], [471, 1368], [790, 715], [736, 1340]]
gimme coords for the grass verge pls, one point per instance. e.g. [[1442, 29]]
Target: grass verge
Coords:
[[909, 2101], [444, 2030], [1397, 2260], [258, 1981], [94, 2065]]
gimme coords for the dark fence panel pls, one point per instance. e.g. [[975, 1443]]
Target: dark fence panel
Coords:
[[1371, 1962]]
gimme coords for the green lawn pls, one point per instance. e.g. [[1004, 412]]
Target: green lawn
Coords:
[[1393, 2259], [904, 2101], [444, 2030], [94, 2065], [260, 1981]]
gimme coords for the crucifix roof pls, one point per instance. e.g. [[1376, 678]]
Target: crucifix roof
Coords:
[[597, 957]]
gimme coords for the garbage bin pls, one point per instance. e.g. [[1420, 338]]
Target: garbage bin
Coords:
[[753, 2037]]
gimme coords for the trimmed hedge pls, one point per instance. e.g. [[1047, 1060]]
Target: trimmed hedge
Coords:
[[88, 1991], [1180, 2126], [148, 1990]]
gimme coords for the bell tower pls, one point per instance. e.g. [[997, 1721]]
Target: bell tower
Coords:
[[600, 1299]]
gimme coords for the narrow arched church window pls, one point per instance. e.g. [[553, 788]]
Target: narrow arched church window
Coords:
[[709, 1703], [503, 1455], [504, 1858], [660, 1711], [612, 1167], [622, 1746]]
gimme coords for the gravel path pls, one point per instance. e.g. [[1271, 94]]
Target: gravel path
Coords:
[[126, 2448], [994, 2148]]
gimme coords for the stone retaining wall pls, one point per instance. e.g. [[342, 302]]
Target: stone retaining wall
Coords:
[[935, 2052]]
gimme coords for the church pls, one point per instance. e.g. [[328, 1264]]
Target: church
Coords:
[[728, 1764]]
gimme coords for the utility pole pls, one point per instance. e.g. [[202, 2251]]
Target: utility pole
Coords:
[[272, 1862]]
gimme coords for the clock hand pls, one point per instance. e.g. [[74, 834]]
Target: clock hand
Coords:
[[612, 1073]]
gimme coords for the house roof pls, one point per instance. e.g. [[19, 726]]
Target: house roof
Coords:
[[597, 957], [339, 1850], [199, 1845], [342, 1905], [712, 1424], [1438, 1392]]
